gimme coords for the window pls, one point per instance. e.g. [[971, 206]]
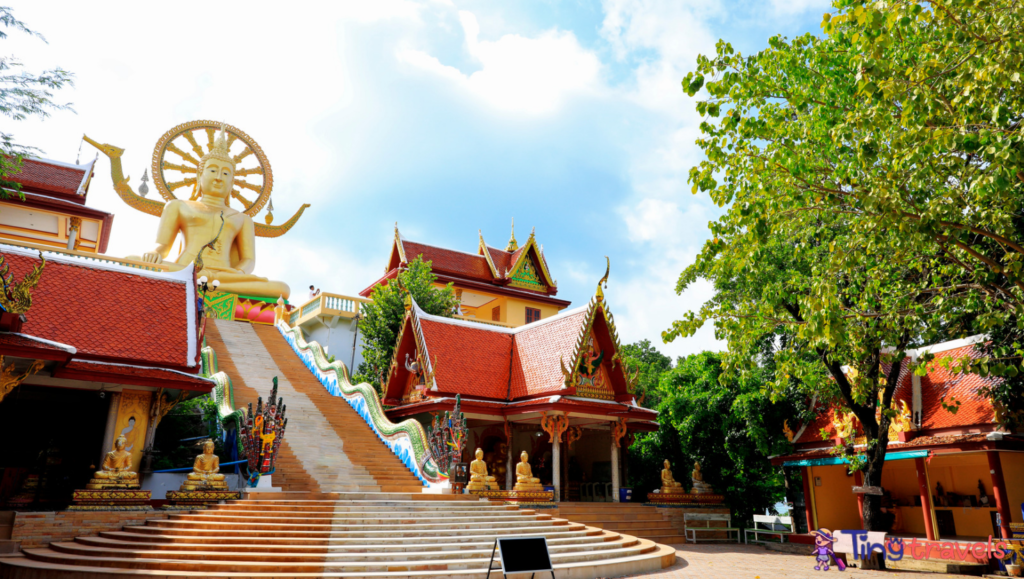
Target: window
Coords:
[[496, 314], [532, 315]]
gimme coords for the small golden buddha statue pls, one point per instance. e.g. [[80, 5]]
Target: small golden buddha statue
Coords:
[[699, 486], [205, 473], [478, 478], [233, 257], [115, 472], [668, 482], [525, 481]]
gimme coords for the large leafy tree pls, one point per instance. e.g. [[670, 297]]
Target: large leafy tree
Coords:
[[382, 317], [23, 95], [648, 364], [872, 196]]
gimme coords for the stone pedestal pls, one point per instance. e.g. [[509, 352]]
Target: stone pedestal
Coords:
[[110, 500], [190, 499], [684, 499], [539, 498]]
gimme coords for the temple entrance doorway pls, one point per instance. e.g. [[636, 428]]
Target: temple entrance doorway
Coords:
[[55, 438]]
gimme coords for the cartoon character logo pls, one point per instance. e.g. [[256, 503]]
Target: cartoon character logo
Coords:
[[823, 553]]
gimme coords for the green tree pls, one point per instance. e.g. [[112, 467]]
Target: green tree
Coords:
[[731, 426], [649, 364], [23, 95], [383, 316], [850, 224]]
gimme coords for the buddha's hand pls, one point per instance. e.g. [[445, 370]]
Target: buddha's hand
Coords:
[[152, 257]]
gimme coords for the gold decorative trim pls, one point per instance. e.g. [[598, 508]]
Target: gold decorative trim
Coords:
[[487, 256], [9, 381]]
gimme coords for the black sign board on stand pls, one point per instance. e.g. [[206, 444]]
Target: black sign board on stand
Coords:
[[522, 555]]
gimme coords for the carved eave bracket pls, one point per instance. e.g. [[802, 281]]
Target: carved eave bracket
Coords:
[[9, 380], [554, 425]]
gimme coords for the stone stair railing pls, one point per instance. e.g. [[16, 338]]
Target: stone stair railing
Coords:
[[407, 439], [223, 395]]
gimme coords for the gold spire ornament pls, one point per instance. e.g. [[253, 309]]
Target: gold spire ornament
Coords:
[[512, 243]]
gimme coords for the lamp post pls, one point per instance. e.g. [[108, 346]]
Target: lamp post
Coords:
[[204, 286]]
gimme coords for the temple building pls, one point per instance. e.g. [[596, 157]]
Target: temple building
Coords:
[[102, 348], [50, 210], [526, 388], [946, 471], [509, 287]]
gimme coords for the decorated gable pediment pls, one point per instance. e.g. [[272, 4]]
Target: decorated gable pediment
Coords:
[[592, 379], [527, 275]]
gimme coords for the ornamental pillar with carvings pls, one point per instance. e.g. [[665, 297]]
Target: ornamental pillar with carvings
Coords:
[[555, 425], [74, 232], [618, 430]]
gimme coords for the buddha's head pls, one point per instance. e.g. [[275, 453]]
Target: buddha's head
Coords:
[[667, 464], [479, 453], [217, 169], [208, 446], [524, 457], [120, 443]]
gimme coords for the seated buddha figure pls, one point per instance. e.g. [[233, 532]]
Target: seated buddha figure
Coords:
[[699, 486], [668, 482], [478, 478], [233, 257], [115, 472], [205, 473], [525, 481]]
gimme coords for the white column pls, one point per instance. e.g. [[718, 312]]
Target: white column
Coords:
[[108, 435], [615, 471], [556, 468]]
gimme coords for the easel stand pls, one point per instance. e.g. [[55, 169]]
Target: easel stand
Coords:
[[490, 564]]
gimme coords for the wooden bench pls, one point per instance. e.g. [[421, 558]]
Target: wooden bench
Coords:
[[707, 518], [771, 527]]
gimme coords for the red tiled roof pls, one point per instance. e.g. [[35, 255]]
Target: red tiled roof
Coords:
[[109, 314], [940, 383], [449, 261], [535, 365], [42, 176], [482, 373], [136, 375], [501, 258], [20, 341]]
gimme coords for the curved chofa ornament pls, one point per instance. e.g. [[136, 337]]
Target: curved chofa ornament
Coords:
[[16, 297], [170, 154], [261, 434]]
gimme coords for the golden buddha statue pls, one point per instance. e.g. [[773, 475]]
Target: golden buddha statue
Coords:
[[699, 486], [205, 473], [478, 478], [668, 482], [232, 258], [115, 472], [525, 481]]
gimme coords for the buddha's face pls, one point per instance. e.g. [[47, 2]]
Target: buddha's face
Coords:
[[120, 443], [666, 464], [523, 457], [208, 447], [479, 453], [217, 178]]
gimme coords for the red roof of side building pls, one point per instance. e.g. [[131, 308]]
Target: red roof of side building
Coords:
[[111, 313], [450, 261], [134, 375], [936, 386], [54, 178], [483, 373], [539, 350]]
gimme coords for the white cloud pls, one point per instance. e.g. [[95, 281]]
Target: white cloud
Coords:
[[519, 74], [794, 7]]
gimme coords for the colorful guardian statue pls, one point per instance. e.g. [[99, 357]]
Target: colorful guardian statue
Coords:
[[262, 433], [205, 218]]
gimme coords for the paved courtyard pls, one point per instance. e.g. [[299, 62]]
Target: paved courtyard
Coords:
[[752, 562]]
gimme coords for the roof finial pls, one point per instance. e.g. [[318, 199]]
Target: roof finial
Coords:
[[604, 280], [512, 244]]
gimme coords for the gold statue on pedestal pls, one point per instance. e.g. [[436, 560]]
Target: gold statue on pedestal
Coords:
[[115, 472], [525, 481], [668, 482], [478, 478], [205, 473], [205, 219]]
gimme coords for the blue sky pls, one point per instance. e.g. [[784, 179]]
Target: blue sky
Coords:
[[445, 116]]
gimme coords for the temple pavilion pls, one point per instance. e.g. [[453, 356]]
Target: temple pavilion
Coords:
[[946, 473], [106, 348], [507, 287], [554, 386]]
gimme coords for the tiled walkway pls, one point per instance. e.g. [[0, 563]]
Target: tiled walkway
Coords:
[[752, 562]]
